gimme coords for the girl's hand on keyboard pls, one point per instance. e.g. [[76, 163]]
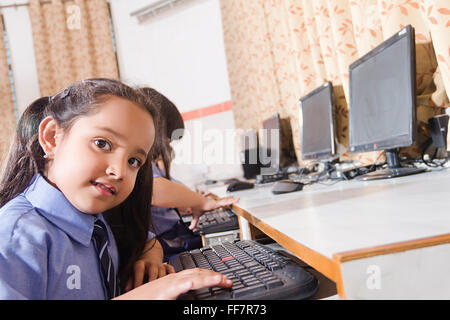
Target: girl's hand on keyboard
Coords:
[[174, 284], [150, 266], [207, 205]]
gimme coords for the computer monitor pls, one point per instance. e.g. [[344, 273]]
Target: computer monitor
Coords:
[[382, 108], [277, 151], [317, 125]]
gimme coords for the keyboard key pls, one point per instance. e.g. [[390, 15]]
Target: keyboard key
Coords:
[[216, 289], [251, 264], [220, 269], [176, 263], [221, 295], [263, 274], [274, 283], [242, 272], [236, 268], [201, 291], [233, 278], [267, 279], [254, 283], [203, 296], [237, 284], [248, 278], [257, 268], [273, 266], [247, 290], [187, 262], [228, 273]]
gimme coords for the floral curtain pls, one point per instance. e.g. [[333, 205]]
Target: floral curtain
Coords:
[[7, 117], [279, 50], [72, 41]]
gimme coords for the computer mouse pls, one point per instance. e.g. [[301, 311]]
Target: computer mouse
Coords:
[[239, 185], [286, 186], [227, 181]]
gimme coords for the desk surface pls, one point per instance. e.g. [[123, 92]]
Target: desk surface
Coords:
[[353, 217]]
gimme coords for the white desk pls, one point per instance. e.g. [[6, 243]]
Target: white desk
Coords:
[[384, 239]]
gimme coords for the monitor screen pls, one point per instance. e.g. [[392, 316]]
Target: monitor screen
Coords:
[[317, 129], [382, 109]]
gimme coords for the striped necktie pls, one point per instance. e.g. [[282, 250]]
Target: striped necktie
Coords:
[[101, 244]]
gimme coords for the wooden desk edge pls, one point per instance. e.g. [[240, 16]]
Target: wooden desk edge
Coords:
[[391, 248]]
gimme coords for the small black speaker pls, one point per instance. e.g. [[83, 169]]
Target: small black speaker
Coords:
[[250, 163], [438, 127]]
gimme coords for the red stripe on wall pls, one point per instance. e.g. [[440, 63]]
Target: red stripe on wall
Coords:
[[207, 111]]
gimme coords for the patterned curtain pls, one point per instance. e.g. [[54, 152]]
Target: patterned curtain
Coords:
[[279, 50], [7, 117], [72, 41]]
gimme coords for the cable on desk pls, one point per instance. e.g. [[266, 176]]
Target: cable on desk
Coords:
[[432, 163], [331, 184]]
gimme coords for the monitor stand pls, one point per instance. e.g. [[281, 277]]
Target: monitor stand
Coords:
[[393, 170]]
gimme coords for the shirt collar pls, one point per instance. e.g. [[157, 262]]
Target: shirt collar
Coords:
[[55, 207]]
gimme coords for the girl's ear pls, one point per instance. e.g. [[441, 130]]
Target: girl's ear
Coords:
[[48, 132]]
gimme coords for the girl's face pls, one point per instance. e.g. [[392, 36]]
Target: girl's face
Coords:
[[95, 163]]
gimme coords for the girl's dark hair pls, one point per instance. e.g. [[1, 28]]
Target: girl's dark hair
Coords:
[[170, 123], [131, 220]]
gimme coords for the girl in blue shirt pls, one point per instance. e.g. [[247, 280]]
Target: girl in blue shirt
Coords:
[[170, 197], [80, 157]]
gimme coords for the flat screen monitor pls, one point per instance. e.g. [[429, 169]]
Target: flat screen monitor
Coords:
[[382, 108], [317, 127]]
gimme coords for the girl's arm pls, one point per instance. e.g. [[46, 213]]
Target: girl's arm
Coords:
[[171, 194], [172, 285]]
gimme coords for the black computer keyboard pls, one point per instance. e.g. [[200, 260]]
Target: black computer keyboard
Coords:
[[257, 271], [218, 220]]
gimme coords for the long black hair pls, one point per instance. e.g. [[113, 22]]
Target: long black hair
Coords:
[[170, 125], [129, 221]]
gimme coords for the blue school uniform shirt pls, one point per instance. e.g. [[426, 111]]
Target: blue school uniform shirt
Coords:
[[46, 247], [163, 218]]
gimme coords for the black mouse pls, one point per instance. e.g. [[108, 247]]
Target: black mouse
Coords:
[[286, 186], [239, 185]]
